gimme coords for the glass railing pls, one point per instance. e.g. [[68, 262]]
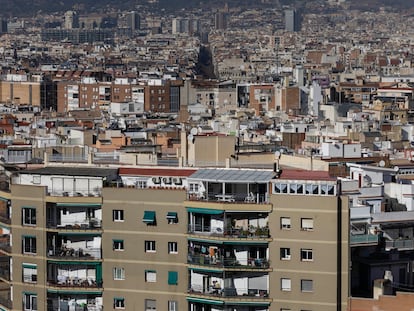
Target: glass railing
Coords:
[[364, 239], [400, 244]]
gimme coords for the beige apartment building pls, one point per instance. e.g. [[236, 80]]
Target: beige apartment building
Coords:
[[90, 238]]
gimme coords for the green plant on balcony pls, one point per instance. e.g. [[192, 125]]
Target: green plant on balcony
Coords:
[[262, 231]]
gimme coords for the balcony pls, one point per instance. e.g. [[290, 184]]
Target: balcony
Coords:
[[74, 274], [65, 281], [92, 304], [75, 253], [87, 224], [364, 239], [231, 263]]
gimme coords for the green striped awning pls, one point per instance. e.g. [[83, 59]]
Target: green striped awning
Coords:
[[171, 215], [149, 217], [208, 211], [204, 300]]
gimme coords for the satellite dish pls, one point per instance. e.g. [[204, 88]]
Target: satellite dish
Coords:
[[381, 163], [194, 131], [277, 154]]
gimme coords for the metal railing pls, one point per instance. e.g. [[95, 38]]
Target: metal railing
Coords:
[[79, 253], [234, 232], [63, 281], [250, 263], [215, 291], [87, 225], [5, 219], [229, 197], [5, 273]]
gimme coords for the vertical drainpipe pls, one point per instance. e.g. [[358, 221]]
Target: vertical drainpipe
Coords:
[[339, 249]]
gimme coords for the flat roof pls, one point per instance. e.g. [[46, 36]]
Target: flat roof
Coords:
[[234, 175]]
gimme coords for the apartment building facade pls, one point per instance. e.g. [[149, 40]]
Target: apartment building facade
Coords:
[[172, 239]]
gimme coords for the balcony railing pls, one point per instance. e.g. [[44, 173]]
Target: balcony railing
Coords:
[[233, 232], [5, 301], [72, 253], [250, 263], [91, 224], [5, 219], [252, 198], [64, 281], [5, 243], [5, 273], [400, 244], [364, 239], [214, 291]]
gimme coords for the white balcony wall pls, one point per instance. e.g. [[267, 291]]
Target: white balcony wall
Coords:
[[57, 185]]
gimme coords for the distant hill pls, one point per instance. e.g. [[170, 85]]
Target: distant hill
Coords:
[[32, 7]]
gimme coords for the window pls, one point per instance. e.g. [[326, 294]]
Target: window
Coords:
[[29, 273], [172, 277], [29, 216], [141, 184], [285, 223], [150, 305], [150, 247], [172, 248], [29, 245], [29, 302], [193, 188], [172, 217], [285, 253], [285, 284], [119, 303], [118, 215], [306, 285], [119, 273], [306, 224], [150, 276], [306, 254], [172, 305], [118, 245], [284, 309]]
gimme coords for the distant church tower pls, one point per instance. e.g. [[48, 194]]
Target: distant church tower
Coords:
[[71, 20]]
